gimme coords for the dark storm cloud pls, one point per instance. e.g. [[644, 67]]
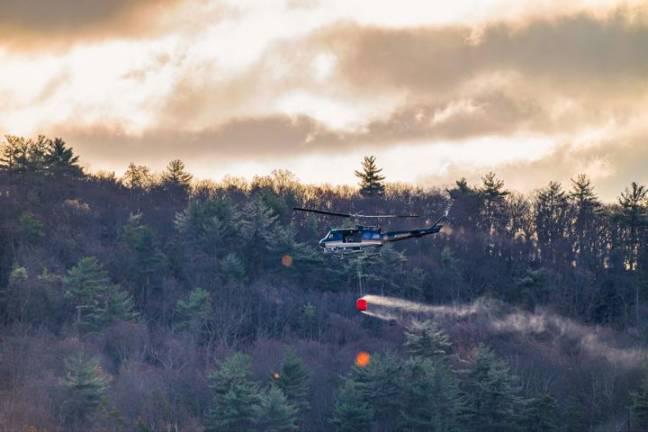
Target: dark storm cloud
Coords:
[[34, 23]]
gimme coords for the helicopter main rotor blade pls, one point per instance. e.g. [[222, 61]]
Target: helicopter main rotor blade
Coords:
[[351, 215], [384, 216], [347, 215]]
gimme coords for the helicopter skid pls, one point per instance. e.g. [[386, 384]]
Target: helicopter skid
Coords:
[[349, 250]]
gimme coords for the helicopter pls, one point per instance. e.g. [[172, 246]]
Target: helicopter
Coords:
[[362, 237]]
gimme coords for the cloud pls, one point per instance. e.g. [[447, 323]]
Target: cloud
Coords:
[[278, 135], [612, 162], [565, 50], [263, 137], [451, 82], [35, 23]]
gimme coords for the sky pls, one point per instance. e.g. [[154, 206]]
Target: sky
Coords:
[[535, 91]]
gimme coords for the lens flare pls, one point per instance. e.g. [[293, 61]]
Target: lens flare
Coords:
[[362, 359], [287, 261]]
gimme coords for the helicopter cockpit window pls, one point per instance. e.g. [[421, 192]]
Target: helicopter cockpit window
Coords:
[[334, 236]]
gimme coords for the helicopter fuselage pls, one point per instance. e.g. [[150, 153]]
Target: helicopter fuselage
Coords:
[[363, 237]]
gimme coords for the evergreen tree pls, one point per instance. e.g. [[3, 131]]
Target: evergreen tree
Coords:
[[639, 406], [274, 413], [30, 228], [96, 299], [634, 219], [232, 267], [493, 201], [193, 313], [492, 396], [209, 225], [431, 400], [294, 382], [425, 339], [235, 396], [371, 182], [585, 226], [84, 388], [467, 204], [15, 297], [60, 160], [352, 411], [37, 159], [177, 175], [552, 224], [634, 216], [16, 154], [144, 262], [380, 383], [261, 232], [577, 415], [540, 414]]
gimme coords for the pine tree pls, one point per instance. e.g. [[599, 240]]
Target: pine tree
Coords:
[[232, 267], [15, 154], [425, 339], [294, 382], [493, 200], [30, 228], [431, 400], [352, 411], [260, 232], [634, 216], [143, 260], [492, 396], [193, 313], [15, 297], [639, 406], [380, 383], [209, 225], [552, 214], [235, 396], [634, 219], [467, 204], [371, 182], [37, 160], [540, 414], [274, 413], [96, 299], [177, 175], [60, 160], [84, 389], [588, 209]]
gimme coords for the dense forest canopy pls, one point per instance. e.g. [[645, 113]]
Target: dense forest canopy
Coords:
[[156, 302]]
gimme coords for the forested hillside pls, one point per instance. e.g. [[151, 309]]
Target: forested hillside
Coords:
[[158, 302]]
